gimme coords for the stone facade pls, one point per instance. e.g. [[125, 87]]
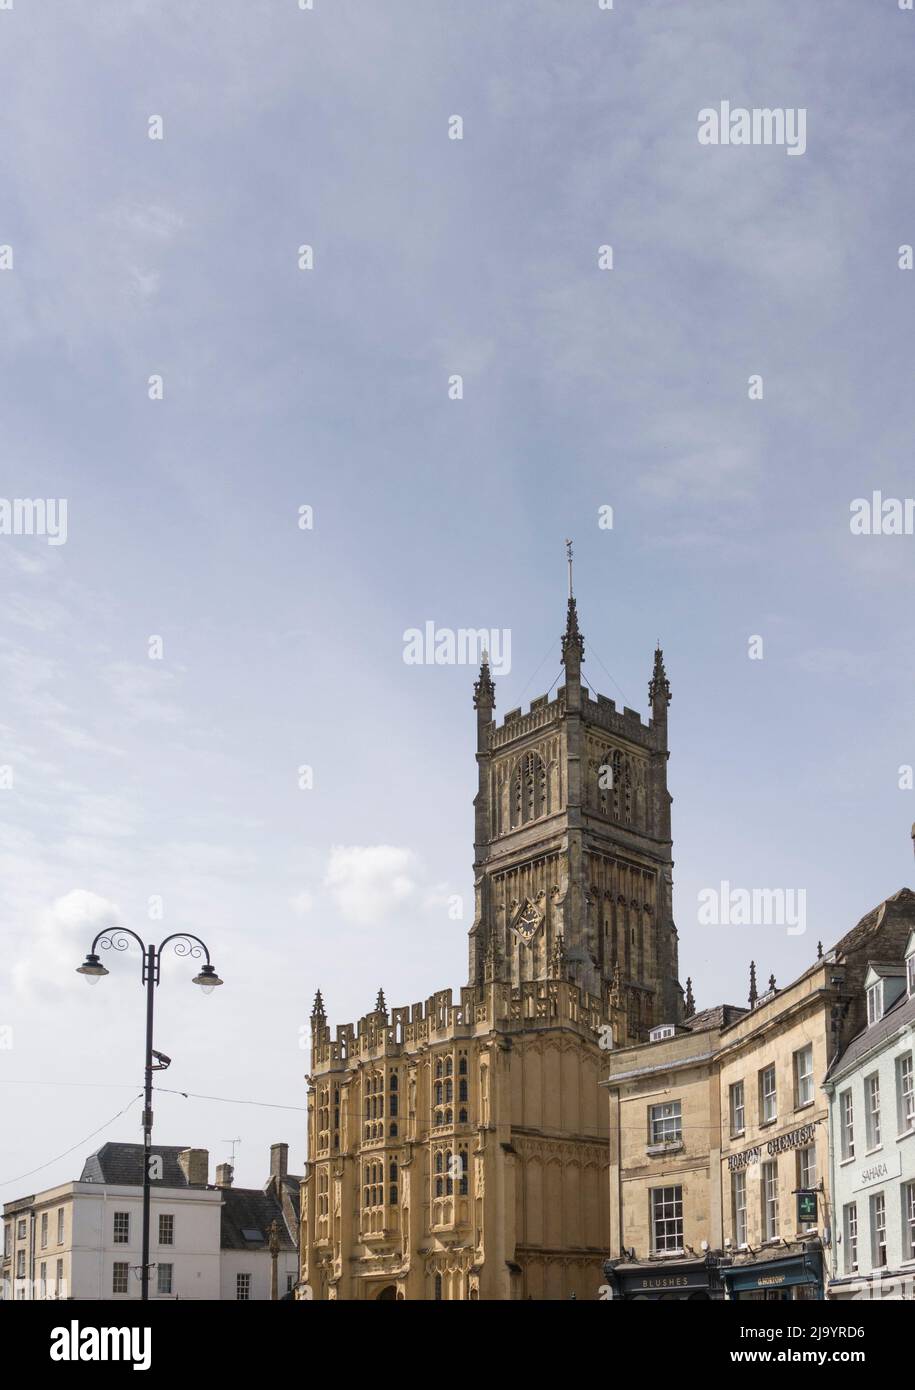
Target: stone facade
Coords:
[[871, 1091], [458, 1150], [752, 1081]]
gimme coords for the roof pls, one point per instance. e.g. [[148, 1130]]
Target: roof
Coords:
[[122, 1164], [721, 1016], [903, 901], [900, 1014], [247, 1214]]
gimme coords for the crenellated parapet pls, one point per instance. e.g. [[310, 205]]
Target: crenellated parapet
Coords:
[[533, 1004]]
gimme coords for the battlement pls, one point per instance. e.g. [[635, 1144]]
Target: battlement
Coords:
[[516, 723], [602, 711], [536, 1004]]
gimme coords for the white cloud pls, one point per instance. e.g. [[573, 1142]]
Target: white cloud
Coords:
[[368, 882], [61, 939]]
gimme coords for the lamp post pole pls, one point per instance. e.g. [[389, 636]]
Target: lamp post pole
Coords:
[[117, 939]]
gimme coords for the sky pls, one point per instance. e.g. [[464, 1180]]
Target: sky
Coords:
[[159, 784]]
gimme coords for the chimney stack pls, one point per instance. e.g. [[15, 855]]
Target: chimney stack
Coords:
[[195, 1165], [224, 1174], [279, 1160]]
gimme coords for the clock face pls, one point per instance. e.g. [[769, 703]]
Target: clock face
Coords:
[[527, 922]]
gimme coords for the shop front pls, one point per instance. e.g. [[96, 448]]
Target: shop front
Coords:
[[670, 1280], [791, 1278]]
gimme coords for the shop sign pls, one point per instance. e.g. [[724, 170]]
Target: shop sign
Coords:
[[794, 1139], [878, 1171]]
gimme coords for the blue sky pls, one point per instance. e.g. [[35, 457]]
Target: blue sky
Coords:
[[178, 778]]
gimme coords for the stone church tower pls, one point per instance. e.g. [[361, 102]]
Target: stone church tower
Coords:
[[572, 864], [459, 1150]]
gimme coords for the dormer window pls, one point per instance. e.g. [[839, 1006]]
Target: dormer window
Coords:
[[875, 1003], [665, 1030]]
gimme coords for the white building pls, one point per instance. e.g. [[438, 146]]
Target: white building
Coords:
[[83, 1239], [871, 1086]]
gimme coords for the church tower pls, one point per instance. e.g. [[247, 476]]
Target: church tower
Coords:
[[572, 845], [458, 1149]]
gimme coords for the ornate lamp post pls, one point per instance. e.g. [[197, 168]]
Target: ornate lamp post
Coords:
[[116, 938]]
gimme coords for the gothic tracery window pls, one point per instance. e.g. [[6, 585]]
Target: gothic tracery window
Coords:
[[528, 790]]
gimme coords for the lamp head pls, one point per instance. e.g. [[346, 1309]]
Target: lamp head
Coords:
[[207, 979], [91, 969]]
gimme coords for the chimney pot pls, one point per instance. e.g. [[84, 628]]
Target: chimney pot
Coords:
[[225, 1174]]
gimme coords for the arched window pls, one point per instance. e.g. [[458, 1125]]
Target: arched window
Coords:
[[529, 790], [392, 1106], [462, 1117], [449, 1091], [449, 1066], [438, 1093], [462, 1188], [462, 1089], [438, 1068], [393, 1131], [394, 1081], [449, 1117], [392, 1171], [438, 1161], [462, 1067], [438, 1287], [449, 1185]]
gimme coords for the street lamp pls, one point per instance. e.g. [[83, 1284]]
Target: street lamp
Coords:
[[92, 970]]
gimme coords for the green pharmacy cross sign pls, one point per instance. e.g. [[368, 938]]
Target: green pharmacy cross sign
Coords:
[[806, 1207]]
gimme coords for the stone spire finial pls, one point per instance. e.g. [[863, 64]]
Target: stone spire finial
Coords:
[[819, 950], [659, 685], [689, 1003], [573, 644], [754, 995], [380, 1005], [484, 691], [772, 985], [559, 958], [317, 1009]]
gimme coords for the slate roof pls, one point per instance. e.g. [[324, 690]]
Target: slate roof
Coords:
[[249, 1209], [122, 1164], [898, 1015]]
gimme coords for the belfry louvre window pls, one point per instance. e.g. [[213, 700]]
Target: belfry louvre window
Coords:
[[665, 1123], [529, 790], [666, 1220]]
